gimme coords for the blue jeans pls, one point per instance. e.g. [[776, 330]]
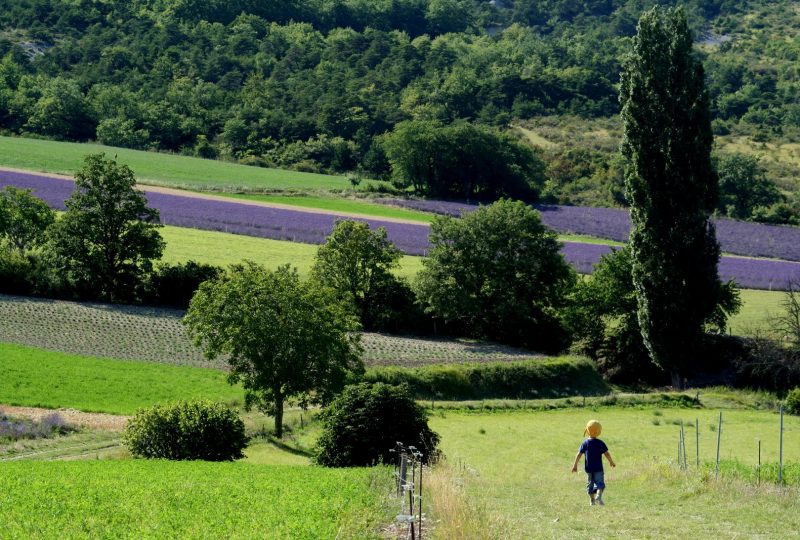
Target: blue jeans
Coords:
[[594, 481]]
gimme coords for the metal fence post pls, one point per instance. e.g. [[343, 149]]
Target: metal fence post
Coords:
[[719, 437], [780, 451]]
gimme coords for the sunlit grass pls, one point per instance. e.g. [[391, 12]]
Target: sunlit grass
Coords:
[[517, 464], [223, 249], [160, 168]]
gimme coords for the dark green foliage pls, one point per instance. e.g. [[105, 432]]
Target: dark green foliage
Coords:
[[768, 365], [541, 378], [174, 285], [744, 189], [186, 430], [603, 321], [357, 263], [23, 218], [672, 189], [285, 340], [278, 82], [462, 160], [365, 422], [793, 402], [108, 238], [497, 274]]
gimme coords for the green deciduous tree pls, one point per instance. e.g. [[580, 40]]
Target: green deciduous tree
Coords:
[[23, 218], [497, 273], [108, 237], [462, 160], [744, 186], [363, 425], [602, 317], [672, 189], [286, 340], [356, 262]]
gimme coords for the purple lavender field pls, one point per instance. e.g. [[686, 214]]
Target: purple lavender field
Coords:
[[737, 237], [231, 217], [313, 228]]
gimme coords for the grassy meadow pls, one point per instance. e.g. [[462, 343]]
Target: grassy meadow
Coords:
[[162, 169], [160, 499], [223, 249], [38, 378], [515, 469]]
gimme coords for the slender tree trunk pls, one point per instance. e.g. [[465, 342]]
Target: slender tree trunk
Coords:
[[279, 415]]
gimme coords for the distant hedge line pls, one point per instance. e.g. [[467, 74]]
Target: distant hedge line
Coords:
[[540, 378]]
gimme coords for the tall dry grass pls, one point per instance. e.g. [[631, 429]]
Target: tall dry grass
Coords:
[[453, 515]]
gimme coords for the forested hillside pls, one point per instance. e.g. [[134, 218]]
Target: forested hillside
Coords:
[[322, 85]]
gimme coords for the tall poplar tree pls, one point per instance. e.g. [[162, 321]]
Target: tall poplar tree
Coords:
[[672, 189]]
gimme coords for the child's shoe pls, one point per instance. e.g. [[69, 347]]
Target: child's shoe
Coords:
[[599, 500]]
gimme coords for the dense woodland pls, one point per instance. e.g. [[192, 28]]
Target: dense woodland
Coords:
[[323, 85]]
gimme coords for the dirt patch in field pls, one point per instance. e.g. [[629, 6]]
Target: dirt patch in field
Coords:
[[108, 422]]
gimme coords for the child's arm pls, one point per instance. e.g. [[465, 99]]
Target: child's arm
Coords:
[[577, 459], [610, 461]]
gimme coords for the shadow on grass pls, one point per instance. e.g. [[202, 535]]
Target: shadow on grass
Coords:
[[281, 445]]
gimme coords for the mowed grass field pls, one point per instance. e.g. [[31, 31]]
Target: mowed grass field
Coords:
[[162, 169], [38, 378], [515, 467], [159, 499], [223, 249]]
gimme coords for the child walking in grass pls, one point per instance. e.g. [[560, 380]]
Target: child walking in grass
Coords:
[[593, 450]]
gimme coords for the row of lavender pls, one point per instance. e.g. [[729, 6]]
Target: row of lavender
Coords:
[[313, 228], [737, 237]]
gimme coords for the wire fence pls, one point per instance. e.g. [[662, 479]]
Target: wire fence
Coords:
[[689, 444], [408, 471]]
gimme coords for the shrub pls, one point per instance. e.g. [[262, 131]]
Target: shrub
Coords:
[[366, 421], [793, 401], [767, 365], [186, 430], [541, 378], [174, 285]]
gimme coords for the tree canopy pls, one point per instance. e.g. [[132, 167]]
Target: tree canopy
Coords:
[[24, 218], [497, 274], [108, 237], [286, 340], [462, 160], [672, 189], [357, 263]]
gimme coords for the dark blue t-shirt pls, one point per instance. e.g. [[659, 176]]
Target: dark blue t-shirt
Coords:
[[593, 450]]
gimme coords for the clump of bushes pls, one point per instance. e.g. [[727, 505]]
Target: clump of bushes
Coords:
[[365, 422], [184, 430], [539, 378], [793, 401]]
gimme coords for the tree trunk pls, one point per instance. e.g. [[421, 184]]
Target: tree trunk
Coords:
[[278, 415], [677, 380]]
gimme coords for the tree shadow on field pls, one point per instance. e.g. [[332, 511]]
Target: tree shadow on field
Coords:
[[281, 445]]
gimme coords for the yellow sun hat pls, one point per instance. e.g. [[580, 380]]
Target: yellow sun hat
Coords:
[[593, 429]]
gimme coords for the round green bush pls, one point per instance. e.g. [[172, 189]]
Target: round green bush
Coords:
[[196, 429], [793, 401], [365, 422]]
